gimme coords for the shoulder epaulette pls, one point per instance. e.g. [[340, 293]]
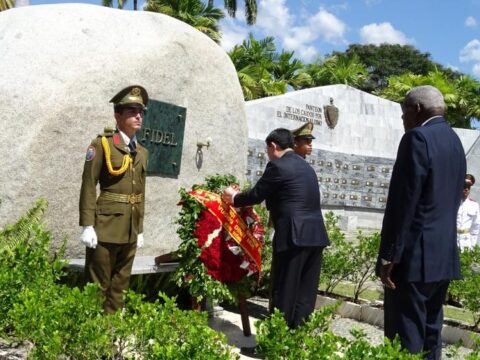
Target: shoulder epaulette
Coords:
[[108, 131]]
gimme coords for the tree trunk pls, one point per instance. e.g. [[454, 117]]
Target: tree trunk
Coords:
[[135, 5]]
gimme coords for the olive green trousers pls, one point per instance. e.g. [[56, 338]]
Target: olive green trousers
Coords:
[[110, 265]]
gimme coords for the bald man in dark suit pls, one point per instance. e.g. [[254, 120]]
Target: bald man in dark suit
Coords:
[[418, 253], [290, 188]]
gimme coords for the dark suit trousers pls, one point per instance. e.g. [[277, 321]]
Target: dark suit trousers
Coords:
[[414, 311], [296, 274]]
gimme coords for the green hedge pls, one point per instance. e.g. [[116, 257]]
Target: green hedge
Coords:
[[314, 340], [62, 321]]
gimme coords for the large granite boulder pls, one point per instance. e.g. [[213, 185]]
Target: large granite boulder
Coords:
[[60, 66]]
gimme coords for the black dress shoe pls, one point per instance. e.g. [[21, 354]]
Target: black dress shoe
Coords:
[[454, 303]]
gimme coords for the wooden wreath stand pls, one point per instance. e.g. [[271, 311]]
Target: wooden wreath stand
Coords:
[[197, 306], [242, 307]]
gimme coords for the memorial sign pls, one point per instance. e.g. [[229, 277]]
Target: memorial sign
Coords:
[[354, 150], [162, 134]]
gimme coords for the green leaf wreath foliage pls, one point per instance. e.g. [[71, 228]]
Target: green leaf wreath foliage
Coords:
[[191, 273]]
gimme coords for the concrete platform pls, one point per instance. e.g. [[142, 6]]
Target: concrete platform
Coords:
[[141, 265], [229, 322]]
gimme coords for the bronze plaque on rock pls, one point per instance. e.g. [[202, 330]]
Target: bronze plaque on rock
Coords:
[[162, 134]]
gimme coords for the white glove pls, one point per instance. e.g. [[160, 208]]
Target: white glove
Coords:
[[139, 241], [89, 237]]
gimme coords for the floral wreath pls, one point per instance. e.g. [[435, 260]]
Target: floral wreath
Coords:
[[212, 263]]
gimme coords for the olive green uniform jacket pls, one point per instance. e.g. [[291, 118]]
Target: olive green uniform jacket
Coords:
[[114, 222]]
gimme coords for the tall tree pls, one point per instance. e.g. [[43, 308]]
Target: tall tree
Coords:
[[385, 60], [250, 9], [6, 4], [202, 17]]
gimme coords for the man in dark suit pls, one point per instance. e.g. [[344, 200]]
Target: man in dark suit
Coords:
[[418, 252], [290, 188]]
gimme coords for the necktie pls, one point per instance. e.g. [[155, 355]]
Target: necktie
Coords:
[[133, 147]]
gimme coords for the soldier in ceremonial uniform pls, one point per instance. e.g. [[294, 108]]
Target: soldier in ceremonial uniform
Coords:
[[113, 222], [303, 139], [468, 218]]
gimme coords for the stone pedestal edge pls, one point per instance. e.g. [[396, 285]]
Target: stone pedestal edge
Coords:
[[374, 316]]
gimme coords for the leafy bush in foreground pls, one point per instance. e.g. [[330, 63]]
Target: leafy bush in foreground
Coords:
[[468, 289], [25, 261], [69, 322], [314, 340], [337, 265]]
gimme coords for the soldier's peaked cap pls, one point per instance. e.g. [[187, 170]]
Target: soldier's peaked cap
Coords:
[[304, 131], [131, 96]]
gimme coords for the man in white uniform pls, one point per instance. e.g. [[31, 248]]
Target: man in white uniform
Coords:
[[468, 218]]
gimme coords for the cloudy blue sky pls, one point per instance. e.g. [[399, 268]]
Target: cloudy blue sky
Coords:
[[447, 29]]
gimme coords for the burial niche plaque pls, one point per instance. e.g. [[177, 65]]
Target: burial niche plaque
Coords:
[[162, 134]]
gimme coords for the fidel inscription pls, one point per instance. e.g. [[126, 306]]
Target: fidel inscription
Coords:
[[158, 137]]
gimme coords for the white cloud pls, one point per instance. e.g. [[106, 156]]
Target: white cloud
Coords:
[[453, 67], [471, 52], [294, 32], [274, 17], [383, 33], [476, 70], [233, 33], [372, 2], [323, 25], [470, 22], [330, 28]]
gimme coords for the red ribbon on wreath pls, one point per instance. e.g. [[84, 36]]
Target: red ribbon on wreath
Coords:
[[231, 240]]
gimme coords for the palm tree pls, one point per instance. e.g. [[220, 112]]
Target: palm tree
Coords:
[[253, 51], [254, 61], [120, 3], [6, 4], [342, 69], [460, 93], [250, 9], [336, 69], [202, 17], [287, 68], [257, 82], [468, 99]]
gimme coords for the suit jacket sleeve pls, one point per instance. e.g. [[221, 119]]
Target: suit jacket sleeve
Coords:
[[408, 177], [88, 192], [263, 189]]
